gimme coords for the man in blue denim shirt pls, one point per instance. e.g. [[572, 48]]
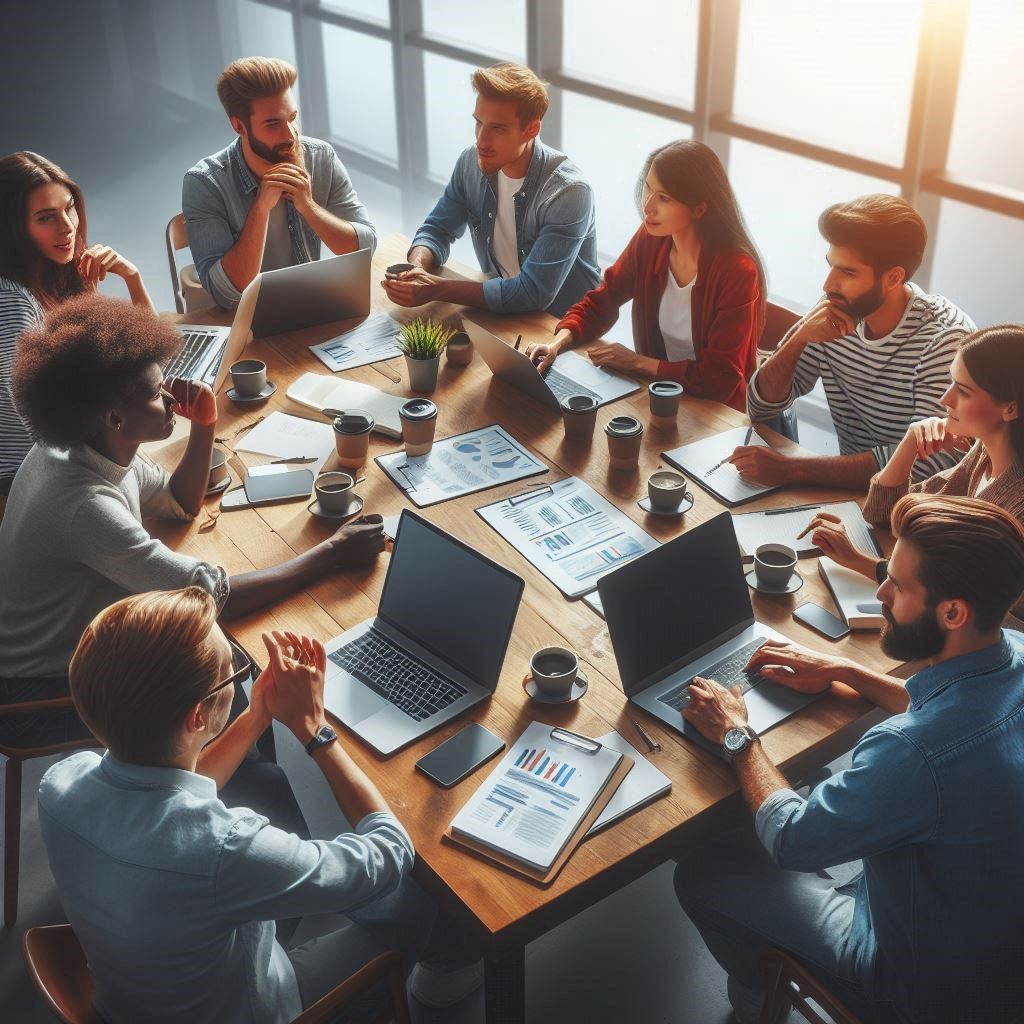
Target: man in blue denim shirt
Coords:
[[529, 211], [270, 198], [933, 802]]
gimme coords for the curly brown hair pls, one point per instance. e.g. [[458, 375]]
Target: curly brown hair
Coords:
[[88, 354]]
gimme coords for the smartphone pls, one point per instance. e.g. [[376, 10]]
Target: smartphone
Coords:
[[453, 760], [821, 621], [287, 486]]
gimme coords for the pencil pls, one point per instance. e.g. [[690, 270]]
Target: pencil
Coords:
[[518, 342]]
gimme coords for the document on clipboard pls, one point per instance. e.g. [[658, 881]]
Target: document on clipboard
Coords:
[[541, 799], [568, 531]]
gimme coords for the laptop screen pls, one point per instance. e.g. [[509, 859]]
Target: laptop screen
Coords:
[[450, 599], [667, 605]]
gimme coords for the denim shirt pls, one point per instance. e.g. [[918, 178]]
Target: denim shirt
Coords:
[[219, 191], [174, 896], [934, 804], [555, 232]]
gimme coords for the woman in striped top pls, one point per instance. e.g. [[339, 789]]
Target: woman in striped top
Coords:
[[44, 259]]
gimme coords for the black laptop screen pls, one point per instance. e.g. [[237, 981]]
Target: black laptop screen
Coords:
[[668, 604], [450, 599]]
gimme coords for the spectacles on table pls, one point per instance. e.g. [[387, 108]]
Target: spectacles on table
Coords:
[[238, 656]]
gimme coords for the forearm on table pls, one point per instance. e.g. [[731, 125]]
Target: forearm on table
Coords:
[[192, 474], [853, 472], [887, 692], [241, 263], [461, 293], [260, 587], [356, 795], [221, 758]]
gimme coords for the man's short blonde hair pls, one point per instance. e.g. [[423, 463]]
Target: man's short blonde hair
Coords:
[[513, 83], [253, 78]]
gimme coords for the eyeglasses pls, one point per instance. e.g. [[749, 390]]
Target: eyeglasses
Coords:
[[238, 656]]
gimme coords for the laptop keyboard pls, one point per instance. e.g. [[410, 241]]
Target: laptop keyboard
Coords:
[[729, 672], [199, 346], [408, 683], [566, 387]]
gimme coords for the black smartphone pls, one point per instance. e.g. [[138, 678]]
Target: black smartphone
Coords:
[[453, 760], [287, 486], [821, 621]]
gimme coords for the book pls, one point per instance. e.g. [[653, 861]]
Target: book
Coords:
[[853, 594]]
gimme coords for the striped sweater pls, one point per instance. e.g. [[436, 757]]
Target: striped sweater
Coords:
[[877, 387], [18, 311]]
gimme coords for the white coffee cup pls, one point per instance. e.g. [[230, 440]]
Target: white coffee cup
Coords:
[[249, 377], [666, 489], [774, 564]]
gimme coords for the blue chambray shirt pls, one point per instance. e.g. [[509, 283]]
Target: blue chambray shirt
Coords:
[[218, 192], [934, 804], [173, 895], [555, 231]]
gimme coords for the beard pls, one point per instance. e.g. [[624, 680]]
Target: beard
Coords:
[[912, 641], [274, 154], [860, 308]]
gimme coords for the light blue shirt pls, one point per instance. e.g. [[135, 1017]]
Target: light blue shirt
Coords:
[[218, 192], [555, 232], [934, 804], [173, 895]]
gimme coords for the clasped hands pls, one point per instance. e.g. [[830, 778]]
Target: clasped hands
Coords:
[[291, 688]]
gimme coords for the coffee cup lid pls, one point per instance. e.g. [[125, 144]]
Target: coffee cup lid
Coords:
[[354, 422], [418, 409], [624, 426], [665, 387], [579, 403]]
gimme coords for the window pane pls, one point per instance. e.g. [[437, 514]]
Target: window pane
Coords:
[[265, 31], [368, 10], [652, 50], [586, 128], [783, 216], [990, 98], [970, 265], [497, 26], [833, 72], [360, 91], [450, 101]]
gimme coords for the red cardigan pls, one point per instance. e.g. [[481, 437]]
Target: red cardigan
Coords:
[[726, 311]]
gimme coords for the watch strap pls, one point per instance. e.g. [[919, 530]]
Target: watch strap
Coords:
[[324, 735]]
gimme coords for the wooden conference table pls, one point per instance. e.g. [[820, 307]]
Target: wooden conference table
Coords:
[[503, 909]]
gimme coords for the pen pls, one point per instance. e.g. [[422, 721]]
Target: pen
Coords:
[[718, 465], [518, 342], [750, 432], [653, 746], [295, 458], [794, 508]]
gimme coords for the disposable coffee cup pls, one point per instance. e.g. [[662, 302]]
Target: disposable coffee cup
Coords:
[[352, 438], [419, 420], [774, 564], [554, 670], [398, 268], [335, 492], [666, 489], [249, 377], [579, 414], [664, 397], [624, 435], [218, 467]]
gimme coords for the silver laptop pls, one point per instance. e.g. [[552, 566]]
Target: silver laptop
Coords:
[[570, 374], [436, 645], [684, 610]]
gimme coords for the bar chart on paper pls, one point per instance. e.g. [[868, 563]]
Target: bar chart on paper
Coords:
[[542, 765]]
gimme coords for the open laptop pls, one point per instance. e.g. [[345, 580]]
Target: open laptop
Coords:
[[684, 610], [570, 374], [436, 645]]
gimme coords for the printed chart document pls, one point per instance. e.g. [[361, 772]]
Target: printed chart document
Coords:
[[373, 340], [706, 463], [605, 385], [783, 525], [533, 803], [643, 784], [461, 465], [568, 531], [289, 437]]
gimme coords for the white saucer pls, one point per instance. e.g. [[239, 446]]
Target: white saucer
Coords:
[[246, 399], [579, 687], [684, 506], [354, 509], [796, 581], [217, 488]]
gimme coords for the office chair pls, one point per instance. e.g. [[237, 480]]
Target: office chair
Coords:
[[777, 321], [189, 293], [789, 985]]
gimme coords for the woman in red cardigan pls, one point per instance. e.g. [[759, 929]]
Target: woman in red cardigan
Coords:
[[695, 278]]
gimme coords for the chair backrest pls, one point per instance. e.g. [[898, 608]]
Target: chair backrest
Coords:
[[777, 321], [59, 971], [176, 238]]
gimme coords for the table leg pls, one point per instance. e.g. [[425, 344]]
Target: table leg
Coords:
[[505, 985]]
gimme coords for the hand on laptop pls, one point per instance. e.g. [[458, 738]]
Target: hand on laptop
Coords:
[[411, 288], [357, 543], [618, 357], [542, 356], [296, 694], [797, 667], [714, 710], [194, 400], [760, 465]]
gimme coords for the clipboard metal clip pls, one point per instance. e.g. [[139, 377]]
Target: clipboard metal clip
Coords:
[[534, 492], [574, 739]]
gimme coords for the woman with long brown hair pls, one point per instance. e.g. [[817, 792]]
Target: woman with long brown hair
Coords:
[[44, 258], [695, 279]]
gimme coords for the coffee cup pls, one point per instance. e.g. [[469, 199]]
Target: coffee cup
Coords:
[[664, 397], [774, 564], [554, 670], [249, 377], [579, 414], [666, 489], [335, 492], [397, 268], [624, 436], [352, 438], [419, 420], [459, 350], [218, 467]]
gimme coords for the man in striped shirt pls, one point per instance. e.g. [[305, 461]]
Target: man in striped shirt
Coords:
[[879, 344]]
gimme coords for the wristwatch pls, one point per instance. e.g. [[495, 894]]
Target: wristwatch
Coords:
[[324, 735], [737, 740]]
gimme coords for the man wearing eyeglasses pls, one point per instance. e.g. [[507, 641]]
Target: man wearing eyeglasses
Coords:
[[173, 895]]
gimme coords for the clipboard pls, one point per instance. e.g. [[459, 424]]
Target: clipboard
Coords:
[[545, 876]]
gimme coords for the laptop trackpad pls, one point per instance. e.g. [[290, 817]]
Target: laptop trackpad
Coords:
[[348, 699], [769, 703]]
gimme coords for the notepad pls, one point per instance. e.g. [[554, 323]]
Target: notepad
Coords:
[[643, 784], [783, 526], [705, 463], [318, 391], [854, 595]]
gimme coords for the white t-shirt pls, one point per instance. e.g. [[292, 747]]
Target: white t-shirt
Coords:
[[506, 245], [675, 319]]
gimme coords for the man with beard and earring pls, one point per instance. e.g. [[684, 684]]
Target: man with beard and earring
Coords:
[[932, 803], [274, 195], [880, 346]]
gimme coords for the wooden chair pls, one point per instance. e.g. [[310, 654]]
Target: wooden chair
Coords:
[[57, 966], [777, 321], [790, 985], [189, 293], [12, 792]]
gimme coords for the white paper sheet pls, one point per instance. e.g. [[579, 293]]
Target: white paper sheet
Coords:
[[373, 340], [289, 437], [781, 526]]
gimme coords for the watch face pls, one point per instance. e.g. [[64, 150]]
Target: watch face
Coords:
[[326, 733], [735, 739]]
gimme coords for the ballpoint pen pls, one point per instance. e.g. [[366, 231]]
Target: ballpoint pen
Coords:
[[718, 465], [295, 458], [792, 508], [653, 746], [519, 341]]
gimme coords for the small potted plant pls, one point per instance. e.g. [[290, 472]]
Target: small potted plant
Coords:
[[422, 343]]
